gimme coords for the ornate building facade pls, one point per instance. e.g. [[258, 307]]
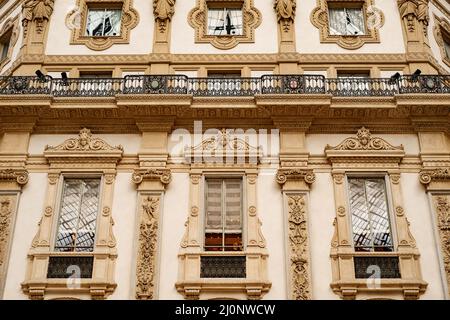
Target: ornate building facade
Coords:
[[238, 149]]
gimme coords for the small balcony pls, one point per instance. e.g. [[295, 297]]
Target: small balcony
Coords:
[[224, 87]]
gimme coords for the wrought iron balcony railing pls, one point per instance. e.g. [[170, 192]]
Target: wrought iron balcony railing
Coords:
[[224, 87]]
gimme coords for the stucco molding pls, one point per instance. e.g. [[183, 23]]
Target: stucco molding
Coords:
[[198, 16], [130, 19], [147, 247], [428, 176], [163, 11], [283, 175], [162, 175], [442, 207], [38, 11], [319, 18], [12, 175]]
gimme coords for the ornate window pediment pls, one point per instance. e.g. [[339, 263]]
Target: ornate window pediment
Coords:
[[364, 31], [224, 148], [77, 20], [82, 172], [201, 17], [442, 37]]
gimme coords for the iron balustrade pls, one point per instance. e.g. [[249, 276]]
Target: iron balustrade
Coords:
[[25, 85], [361, 87], [155, 84], [87, 87], [292, 84], [224, 87]]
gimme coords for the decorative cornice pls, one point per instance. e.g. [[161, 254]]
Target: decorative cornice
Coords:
[[163, 175], [364, 141], [440, 174], [11, 175], [85, 143], [283, 175]]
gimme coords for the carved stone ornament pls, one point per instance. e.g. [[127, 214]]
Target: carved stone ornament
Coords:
[[19, 176], [440, 174], [285, 10], [5, 226], [320, 19], [443, 224], [298, 245], [412, 11], [198, 19], [85, 142], [163, 11], [364, 141], [163, 175], [130, 19], [441, 25], [38, 11], [222, 146], [284, 175], [148, 237]]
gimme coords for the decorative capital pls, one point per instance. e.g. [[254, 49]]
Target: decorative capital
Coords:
[[163, 175], [36, 10], [285, 10], [364, 141], [19, 176], [85, 142], [441, 174], [284, 174]]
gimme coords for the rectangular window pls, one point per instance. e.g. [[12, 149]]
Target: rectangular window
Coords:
[[223, 219], [5, 41], [103, 22], [370, 214], [353, 74], [224, 74], [225, 21], [346, 21], [78, 215], [96, 74]]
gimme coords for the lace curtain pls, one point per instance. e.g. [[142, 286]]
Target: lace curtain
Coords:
[[346, 21]]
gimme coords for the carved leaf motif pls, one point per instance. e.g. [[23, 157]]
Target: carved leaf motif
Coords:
[[298, 244], [443, 221], [148, 230], [5, 226]]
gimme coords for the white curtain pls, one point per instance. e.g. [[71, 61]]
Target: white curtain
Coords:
[[344, 21], [104, 22]]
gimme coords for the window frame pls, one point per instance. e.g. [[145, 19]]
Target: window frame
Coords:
[[320, 19], [10, 26], [59, 200], [389, 206], [223, 177]]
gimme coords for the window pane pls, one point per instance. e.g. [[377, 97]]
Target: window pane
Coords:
[[233, 204], [355, 21], [77, 221], [360, 213], [214, 205], [104, 22], [224, 21], [337, 21], [370, 216]]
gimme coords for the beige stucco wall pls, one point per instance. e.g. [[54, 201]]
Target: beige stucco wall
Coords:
[[391, 37], [29, 213], [141, 37], [183, 39]]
